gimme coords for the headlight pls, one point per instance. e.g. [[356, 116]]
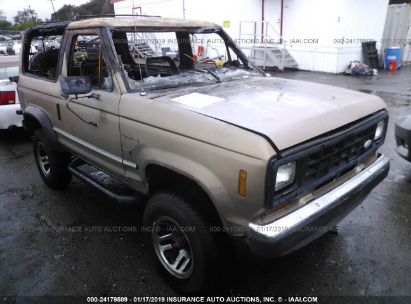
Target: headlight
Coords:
[[380, 130], [285, 176]]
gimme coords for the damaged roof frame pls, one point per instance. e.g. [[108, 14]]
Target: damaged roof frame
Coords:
[[131, 23]]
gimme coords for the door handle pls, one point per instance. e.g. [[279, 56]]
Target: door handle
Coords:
[[94, 95]]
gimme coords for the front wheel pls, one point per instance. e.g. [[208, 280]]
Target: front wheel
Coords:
[[52, 165], [182, 243]]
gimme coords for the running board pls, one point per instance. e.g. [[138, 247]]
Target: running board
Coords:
[[110, 186]]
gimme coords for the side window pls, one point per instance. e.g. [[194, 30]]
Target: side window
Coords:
[[86, 59], [43, 56]]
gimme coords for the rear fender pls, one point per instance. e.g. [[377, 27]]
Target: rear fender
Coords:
[[34, 118]]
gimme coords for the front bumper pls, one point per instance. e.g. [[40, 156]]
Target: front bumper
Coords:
[[403, 137], [309, 222]]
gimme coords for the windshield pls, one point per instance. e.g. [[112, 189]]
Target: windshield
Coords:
[[157, 60]]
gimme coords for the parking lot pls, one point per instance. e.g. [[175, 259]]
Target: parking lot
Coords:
[[76, 242], [6, 61]]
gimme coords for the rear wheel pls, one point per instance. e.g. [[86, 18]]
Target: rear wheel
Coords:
[[52, 165], [181, 242]]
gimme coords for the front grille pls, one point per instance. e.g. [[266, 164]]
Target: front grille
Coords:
[[326, 158], [334, 159]]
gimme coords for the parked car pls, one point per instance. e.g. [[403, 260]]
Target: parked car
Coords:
[[403, 137], [9, 100], [215, 153], [16, 36], [6, 45], [16, 46], [53, 42]]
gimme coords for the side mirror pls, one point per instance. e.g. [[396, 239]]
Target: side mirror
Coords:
[[14, 79], [75, 85]]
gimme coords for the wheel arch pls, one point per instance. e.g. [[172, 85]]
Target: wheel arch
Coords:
[[35, 118], [160, 177]]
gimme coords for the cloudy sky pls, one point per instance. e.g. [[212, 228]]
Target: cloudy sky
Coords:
[[42, 7]]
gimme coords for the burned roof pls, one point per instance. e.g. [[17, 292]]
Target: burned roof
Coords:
[[49, 28], [141, 22]]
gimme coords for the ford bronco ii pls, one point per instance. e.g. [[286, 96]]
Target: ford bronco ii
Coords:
[[174, 116]]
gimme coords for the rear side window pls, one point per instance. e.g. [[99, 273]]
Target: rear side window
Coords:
[[87, 59], [43, 55]]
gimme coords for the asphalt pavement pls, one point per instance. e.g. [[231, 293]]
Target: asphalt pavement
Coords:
[[8, 61]]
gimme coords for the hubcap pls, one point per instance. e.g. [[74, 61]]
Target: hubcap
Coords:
[[172, 247], [43, 159]]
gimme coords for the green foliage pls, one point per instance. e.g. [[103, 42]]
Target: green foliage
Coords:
[[25, 16], [23, 20], [93, 7], [5, 25], [28, 17], [67, 12], [24, 25]]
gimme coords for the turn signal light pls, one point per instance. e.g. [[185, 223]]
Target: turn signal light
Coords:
[[242, 183]]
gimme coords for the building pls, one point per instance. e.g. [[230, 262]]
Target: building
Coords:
[[315, 35]]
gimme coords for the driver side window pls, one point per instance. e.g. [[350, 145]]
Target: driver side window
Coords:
[[87, 59]]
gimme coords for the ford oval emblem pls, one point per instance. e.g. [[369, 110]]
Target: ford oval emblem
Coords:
[[368, 144]]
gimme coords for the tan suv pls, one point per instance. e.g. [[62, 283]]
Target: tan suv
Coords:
[[171, 114]]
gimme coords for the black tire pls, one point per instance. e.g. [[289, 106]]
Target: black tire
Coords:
[[56, 174], [205, 254]]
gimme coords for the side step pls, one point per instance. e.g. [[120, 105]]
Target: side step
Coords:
[[110, 186]]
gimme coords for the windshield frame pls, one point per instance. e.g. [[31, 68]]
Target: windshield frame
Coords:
[[228, 41]]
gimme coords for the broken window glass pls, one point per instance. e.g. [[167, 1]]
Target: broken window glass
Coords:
[[86, 59], [155, 60], [43, 56]]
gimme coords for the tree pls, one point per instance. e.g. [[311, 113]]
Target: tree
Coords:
[[93, 7], [67, 12], [25, 19], [107, 8], [2, 17], [25, 15], [4, 23]]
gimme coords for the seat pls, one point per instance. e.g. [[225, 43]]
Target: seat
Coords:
[[45, 63], [122, 48], [163, 66]]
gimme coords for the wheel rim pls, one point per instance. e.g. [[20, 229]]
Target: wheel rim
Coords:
[[43, 159], [172, 247]]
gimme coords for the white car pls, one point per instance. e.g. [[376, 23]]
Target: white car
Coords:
[[6, 45], [17, 47], [9, 100]]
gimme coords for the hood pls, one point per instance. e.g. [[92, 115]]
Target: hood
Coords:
[[286, 111]]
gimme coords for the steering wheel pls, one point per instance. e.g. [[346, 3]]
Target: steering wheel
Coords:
[[232, 63]]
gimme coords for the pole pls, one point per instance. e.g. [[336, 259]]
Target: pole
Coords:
[[184, 9], [262, 19], [282, 20], [52, 5]]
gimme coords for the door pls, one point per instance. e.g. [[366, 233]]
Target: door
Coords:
[[90, 122], [407, 49], [396, 28]]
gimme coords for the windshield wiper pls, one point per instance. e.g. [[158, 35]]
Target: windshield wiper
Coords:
[[207, 70]]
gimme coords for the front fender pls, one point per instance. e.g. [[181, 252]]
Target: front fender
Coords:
[[201, 175]]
